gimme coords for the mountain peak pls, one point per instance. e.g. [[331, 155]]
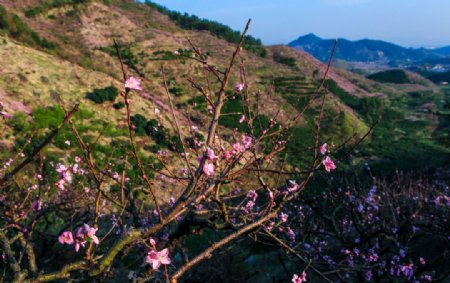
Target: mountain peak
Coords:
[[309, 36]]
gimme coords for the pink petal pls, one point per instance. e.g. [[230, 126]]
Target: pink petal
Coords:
[[155, 264], [95, 239], [165, 260]]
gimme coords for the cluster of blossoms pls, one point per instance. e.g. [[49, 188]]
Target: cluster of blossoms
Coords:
[[375, 225], [8, 163], [252, 196], [65, 173], [299, 278], [65, 176], [208, 167], [239, 147], [155, 258], [327, 162], [83, 234], [292, 186]]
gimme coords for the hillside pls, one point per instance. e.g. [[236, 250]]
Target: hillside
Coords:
[[64, 50], [83, 59]]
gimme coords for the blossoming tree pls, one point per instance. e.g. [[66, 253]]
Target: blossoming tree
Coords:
[[80, 218]]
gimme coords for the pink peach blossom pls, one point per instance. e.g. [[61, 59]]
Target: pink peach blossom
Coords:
[[133, 83], [284, 217], [252, 195], [79, 239], [208, 169], [292, 186], [89, 232], [227, 154], [210, 154], [239, 87], [155, 258], [323, 148], [329, 164], [246, 141], [249, 205], [299, 279], [66, 238]]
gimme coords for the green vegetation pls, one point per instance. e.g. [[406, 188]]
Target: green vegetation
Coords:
[[45, 6], [344, 96], [192, 22], [370, 108], [170, 55], [119, 105], [439, 78], [157, 132], [12, 25], [49, 118], [396, 76], [288, 61], [175, 88], [126, 54], [100, 95], [296, 90]]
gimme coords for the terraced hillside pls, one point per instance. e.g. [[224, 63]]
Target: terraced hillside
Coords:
[[75, 55]]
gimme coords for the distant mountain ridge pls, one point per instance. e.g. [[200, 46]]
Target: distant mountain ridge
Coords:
[[366, 50], [443, 50]]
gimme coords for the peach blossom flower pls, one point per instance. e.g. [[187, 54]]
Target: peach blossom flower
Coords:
[[89, 232], [66, 238], [227, 155], [210, 154], [208, 169], [329, 164], [252, 195], [323, 148], [155, 258], [133, 83], [79, 239], [239, 87], [299, 279]]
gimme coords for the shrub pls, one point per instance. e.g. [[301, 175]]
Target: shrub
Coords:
[[439, 78], [391, 76], [139, 123], [100, 95], [119, 105], [288, 61]]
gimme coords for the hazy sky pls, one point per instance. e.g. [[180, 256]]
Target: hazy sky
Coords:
[[411, 23]]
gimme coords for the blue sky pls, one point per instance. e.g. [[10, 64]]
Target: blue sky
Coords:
[[411, 23]]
